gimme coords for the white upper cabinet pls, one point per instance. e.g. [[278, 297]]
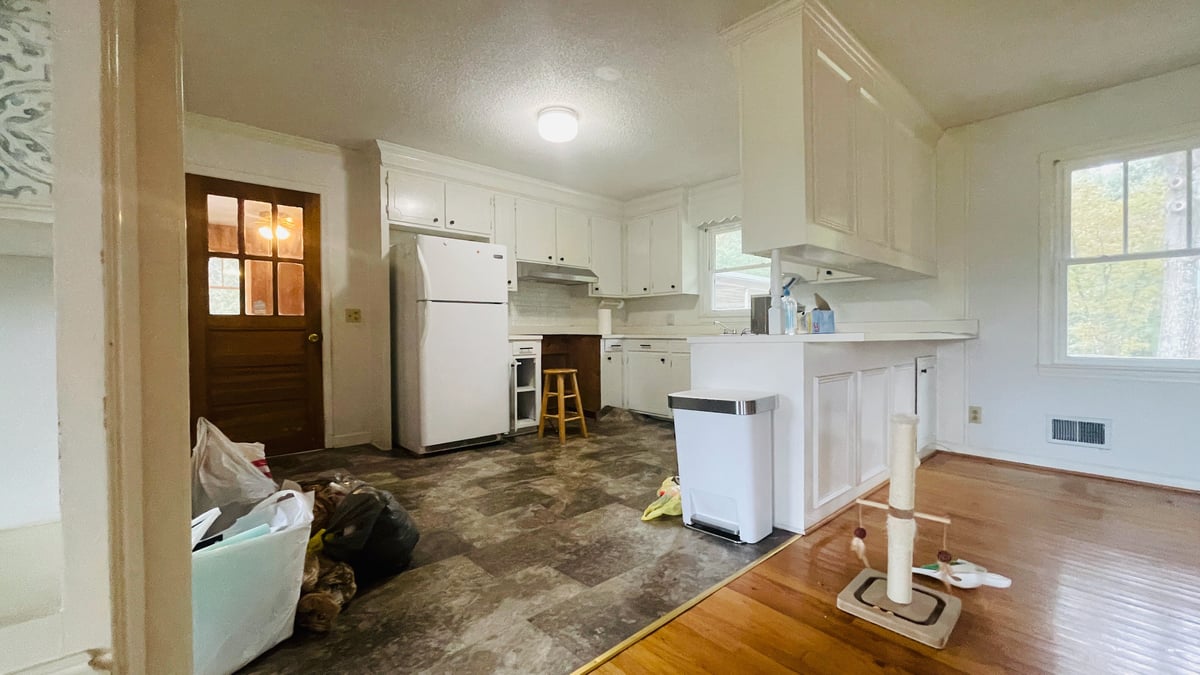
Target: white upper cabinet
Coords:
[[665, 246], [837, 165], [535, 223], [607, 258], [870, 168], [415, 200], [637, 257], [468, 209], [832, 113], [506, 233], [573, 238]]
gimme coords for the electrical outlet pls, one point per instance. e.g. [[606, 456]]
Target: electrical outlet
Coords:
[[975, 414], [353, 315]]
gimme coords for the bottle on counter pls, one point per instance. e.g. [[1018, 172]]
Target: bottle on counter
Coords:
[[788, 308]]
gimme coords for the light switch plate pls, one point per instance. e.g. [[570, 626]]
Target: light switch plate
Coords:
[[353, 315]]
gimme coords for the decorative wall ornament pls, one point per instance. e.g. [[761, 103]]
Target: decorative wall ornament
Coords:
[[26, 134]]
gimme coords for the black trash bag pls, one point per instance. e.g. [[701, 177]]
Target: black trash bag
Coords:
[[372, 532]]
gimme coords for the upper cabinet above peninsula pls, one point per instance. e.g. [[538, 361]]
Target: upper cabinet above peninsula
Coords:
[[837, 157]]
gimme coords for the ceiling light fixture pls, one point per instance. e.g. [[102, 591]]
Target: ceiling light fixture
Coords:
[[558, 124]]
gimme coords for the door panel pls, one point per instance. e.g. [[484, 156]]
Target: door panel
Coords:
[[832, 109], [607, 257], [415, 199], [468, 209], [454, 408], [637, 258], [254, 312], [873, 423], [833, 462], [573, 238], [535, 231], [665, 257], [870, 168]]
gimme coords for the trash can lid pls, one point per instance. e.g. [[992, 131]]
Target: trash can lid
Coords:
[[724, 401]]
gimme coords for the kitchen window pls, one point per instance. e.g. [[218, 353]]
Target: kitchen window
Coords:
[[1126, 260], [732, 276]]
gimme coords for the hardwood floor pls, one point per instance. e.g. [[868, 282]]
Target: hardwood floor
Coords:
[[1106, 579]]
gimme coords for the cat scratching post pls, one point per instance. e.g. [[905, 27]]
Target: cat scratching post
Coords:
[[890, 600]]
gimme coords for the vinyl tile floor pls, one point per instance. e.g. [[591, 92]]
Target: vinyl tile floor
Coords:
[[532, 558]]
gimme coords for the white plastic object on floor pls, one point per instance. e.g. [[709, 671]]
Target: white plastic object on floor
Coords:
[[724, 444], [966, 574], [244, 594], [224, 471]]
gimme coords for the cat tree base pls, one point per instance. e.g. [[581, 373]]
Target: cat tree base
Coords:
[[928, 619]]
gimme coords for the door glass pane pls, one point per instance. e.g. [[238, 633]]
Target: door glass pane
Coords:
[[260, 287], [289, 231], [1098, 211], [222, 224], [291, 289], [224, 286], [1158, 212], [259, 229]]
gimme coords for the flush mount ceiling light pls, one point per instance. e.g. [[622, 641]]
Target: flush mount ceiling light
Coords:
[[558, 124]]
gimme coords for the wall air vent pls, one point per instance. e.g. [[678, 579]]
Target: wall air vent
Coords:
[[1092, 433]]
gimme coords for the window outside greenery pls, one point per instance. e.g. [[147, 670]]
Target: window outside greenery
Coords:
[[735, 276], [1133, 288]]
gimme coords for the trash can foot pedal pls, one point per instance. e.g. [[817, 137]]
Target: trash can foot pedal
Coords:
[[715, 531]]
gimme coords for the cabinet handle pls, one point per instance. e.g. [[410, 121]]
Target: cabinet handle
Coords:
[[645, 289], [549, 257], [562, 258], [664, 360], [924, 371], [510, 282], [435, 220], [645, 346], [672, 285], [452, 222], [610, 358]]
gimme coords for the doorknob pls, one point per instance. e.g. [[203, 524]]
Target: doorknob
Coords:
[[314, 337]]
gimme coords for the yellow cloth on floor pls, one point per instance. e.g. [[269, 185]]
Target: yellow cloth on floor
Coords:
[[668, 502]]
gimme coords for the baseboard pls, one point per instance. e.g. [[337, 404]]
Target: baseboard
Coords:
[[1081, 468], [344, 440], [74, 664]]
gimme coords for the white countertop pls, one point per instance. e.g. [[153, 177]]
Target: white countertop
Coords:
[[831, 337], [516, 338]]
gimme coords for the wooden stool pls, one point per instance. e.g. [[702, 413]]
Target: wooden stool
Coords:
[[560, 415]]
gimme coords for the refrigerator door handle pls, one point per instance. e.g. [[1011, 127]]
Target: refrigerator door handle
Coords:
[[425, 291]]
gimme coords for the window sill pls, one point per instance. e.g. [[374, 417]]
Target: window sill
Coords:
[[1120, 372]]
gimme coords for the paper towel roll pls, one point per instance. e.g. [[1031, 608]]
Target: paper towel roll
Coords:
[[604, 318]]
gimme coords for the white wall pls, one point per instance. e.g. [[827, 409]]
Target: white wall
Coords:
[[1153, 435], [349, 252], [28, 397], [542, 307]]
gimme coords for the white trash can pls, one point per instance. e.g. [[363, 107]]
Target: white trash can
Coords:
[[724, 442]]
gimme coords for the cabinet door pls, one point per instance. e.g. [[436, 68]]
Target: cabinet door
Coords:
[[637, 257], [535, 231], [926, 401], [870, 167], [468, 209], [612, 379], [640, 380], [665, 254], [833, 469], [873, 424], [505, 218], [831, 108], [681, 373], [574, 240], [607, 258], [901, 161], [924, 180], [415, 200]]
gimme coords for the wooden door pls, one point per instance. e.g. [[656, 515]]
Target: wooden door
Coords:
[[254, 312]]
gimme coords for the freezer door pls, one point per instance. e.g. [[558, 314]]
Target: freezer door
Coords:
[[462, 271], [465, 360]]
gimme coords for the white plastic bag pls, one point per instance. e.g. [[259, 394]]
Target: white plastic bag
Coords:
[[244, 594], [224, 472]]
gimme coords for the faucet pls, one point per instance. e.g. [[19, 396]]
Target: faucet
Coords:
[[725, 330]]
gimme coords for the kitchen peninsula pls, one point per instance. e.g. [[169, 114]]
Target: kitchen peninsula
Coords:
[[836, 394]]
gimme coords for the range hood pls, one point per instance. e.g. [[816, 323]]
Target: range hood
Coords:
[[555, 274]]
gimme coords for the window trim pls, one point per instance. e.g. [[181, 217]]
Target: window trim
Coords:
[[707, 260], [1055, 246]]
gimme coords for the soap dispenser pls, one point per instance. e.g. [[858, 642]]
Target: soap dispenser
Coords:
[[788, 308]]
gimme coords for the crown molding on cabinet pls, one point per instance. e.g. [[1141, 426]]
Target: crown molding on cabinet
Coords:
[[760, 21], [717, 202], [198, 121], [426, 163], [645, 205]]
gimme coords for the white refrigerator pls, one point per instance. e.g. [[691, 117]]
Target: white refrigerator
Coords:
[[450, 353]]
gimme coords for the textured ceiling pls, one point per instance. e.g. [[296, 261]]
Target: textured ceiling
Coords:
[[968, 60], [465, 78]]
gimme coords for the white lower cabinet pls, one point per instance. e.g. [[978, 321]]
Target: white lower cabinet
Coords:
[[612, 378], [526, 385], [851, 419], [654, 369]]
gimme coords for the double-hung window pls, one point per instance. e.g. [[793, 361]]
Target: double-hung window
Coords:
[[1126, 254], [732, 276]]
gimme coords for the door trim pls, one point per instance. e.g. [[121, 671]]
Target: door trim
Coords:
[[322, 190]]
